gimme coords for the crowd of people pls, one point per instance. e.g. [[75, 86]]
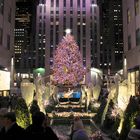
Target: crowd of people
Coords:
[[39, 128]]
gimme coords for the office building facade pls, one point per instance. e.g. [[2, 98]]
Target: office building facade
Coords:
[[24, 48], [131, 27], [111, 40], [7, 20], [54, 17]]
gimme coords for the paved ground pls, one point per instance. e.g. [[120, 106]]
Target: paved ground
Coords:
[[105, 136]]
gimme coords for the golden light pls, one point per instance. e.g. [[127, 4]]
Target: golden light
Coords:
[[4, 80]]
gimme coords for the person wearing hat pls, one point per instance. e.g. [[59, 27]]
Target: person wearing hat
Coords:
[[78, 132]]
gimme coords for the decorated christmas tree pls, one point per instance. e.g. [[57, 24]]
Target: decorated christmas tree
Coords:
[[68, 66]]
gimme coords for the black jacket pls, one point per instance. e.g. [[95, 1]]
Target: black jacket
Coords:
[[14, 132]]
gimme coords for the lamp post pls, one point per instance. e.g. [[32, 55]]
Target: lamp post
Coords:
[[12, 74], [125, 67]]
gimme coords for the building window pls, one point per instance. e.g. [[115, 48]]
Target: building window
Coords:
[[84, 31], [84, 52], [52, 3], [1, 6], [136, 7], [71, 3], [57, 3], [83, 12], [64, 23], [71, 12], [84, 3], [129, 42], [137, 37], [1, 36], [9, 15], [8, 42], [84, 42], [128, 16], [78, 3], [57, 12], [64, 3], [40, 9], [44, 9], [43, 1], [52, 12], [71, 23], [51, 35]]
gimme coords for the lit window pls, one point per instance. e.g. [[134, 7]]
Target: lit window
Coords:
[[128, 16], [136, 7], [137, 37]]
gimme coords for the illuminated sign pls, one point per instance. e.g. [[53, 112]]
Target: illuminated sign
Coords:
[[4, 80]]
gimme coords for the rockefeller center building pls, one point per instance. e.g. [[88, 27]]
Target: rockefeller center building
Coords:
[[54, 17]]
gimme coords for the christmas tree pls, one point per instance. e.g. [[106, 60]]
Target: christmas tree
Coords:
[[68, 66]]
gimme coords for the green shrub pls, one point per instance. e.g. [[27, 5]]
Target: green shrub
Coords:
[[23, 116], [130, 114]]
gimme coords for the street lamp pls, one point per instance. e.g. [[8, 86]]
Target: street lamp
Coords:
[[125, 67], [12, 74]]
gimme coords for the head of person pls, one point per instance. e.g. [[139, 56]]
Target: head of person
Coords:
[[78, 124], [9, 118], [3, 111], [46, 121], [38, 118]]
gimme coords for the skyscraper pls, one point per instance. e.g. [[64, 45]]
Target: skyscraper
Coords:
[[25, 36], [7, 21], [111, 41], [54, 17], [131, 26]]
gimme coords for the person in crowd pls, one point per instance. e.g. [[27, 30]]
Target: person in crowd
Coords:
[[78, 131], [48, 130], [39, 127], [134, 133], [2, 112], [11, 129], [36, 128]]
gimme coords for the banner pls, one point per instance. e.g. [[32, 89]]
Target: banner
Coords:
[[4, 80]]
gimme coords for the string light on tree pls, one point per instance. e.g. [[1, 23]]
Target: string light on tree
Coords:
[[68, 31], [68, 66]]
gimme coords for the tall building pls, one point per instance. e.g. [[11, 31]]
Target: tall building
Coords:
[[131, 27], [54, 17], [25, 36], [7, 20], [111, 40]]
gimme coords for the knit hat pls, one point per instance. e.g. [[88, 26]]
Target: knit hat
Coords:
[[78, 124]]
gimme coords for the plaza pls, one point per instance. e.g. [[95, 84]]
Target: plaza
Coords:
[[71, 59]]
